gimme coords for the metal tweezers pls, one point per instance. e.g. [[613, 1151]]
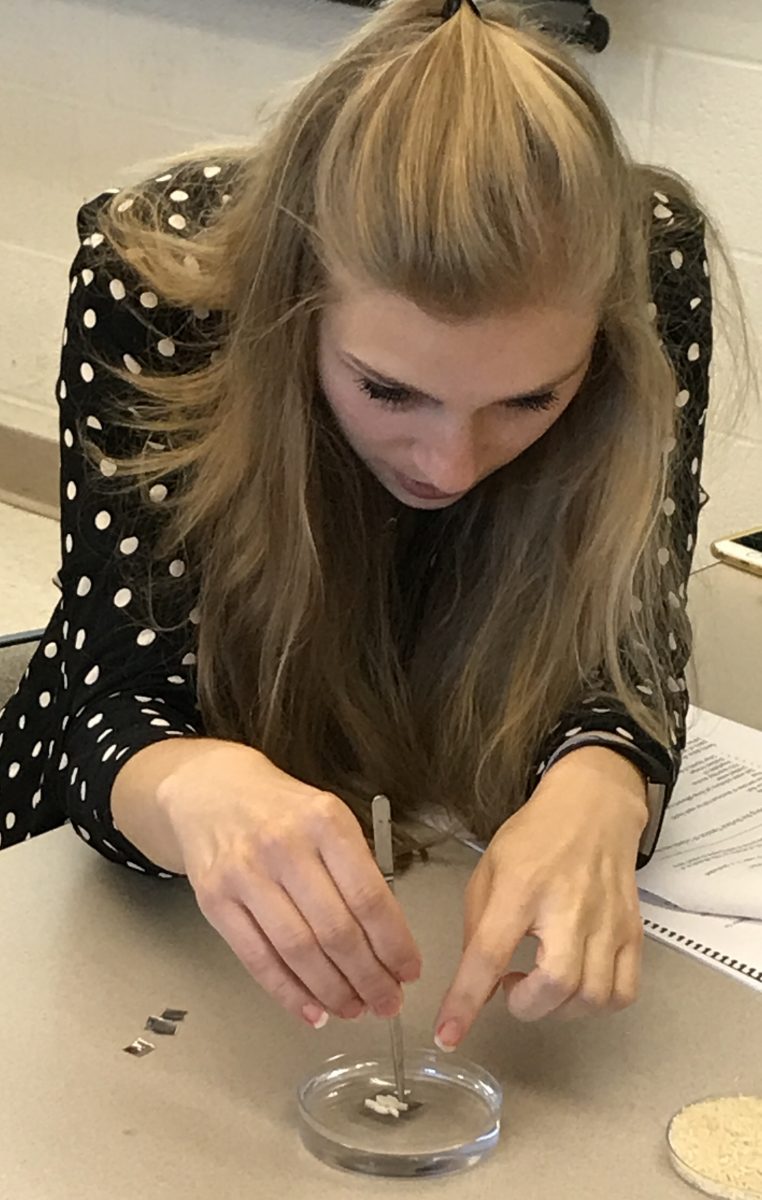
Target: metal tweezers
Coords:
[[382, 842]]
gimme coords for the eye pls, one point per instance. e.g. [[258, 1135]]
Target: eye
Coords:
[[535, 403], [398, 398], [392, 397]]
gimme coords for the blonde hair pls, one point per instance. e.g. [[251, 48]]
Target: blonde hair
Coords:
[[471, 167]]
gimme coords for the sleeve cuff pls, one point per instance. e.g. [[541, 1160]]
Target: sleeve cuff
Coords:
[[659, 780], [103, 737]]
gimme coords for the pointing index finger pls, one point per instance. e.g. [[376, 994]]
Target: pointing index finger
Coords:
[[485, 960]]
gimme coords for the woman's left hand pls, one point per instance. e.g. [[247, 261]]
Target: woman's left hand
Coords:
[[562, 870]]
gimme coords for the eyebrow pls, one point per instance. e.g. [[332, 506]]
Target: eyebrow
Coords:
[[413, 391]]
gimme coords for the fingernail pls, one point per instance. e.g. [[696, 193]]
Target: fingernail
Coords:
[[448, 1036], [315, 1016], [410, 973], [388, 1008], [355, 1008]]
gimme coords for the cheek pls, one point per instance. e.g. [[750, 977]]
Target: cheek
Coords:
[[519, 436], [361, 422], [524, 433], [539, 423]]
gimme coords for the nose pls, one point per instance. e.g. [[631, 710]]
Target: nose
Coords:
[[449, 460]]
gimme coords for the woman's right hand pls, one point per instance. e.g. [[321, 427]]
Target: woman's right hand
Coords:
[[283, 872]]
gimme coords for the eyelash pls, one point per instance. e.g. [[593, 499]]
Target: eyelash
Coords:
[[392, 397]]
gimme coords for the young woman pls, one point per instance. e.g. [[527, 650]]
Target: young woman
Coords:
[[380, 459]]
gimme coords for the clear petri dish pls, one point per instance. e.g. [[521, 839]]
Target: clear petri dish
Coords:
[[736, 1153], [452, 1123]]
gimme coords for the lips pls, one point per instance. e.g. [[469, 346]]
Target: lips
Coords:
[[423, 491]]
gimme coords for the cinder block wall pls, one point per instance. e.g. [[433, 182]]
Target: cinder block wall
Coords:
[[89, 87]]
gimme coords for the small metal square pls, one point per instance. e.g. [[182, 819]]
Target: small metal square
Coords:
[[175, 1014], [160, 1025], [139, 1048]]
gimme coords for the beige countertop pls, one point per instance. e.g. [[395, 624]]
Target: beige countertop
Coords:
[[90, 950]]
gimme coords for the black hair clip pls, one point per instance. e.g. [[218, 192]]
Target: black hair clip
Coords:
[[574, 21], [452, 6]]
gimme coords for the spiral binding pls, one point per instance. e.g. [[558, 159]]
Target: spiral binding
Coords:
[[680, 939]]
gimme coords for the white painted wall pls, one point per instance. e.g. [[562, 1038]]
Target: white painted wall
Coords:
[[89, 87]]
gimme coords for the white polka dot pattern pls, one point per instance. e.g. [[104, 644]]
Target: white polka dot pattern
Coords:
[[77, 708], [132, 365]]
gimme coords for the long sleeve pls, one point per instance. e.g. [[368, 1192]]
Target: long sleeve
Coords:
[[126, 660], [683, 302]]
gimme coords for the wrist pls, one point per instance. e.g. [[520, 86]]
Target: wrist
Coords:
[[191, 762], [605, 768]]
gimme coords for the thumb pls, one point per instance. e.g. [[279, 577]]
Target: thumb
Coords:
[[511, 981], [507, 983]]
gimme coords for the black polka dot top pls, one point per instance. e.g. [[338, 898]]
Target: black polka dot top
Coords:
[[105, 681]]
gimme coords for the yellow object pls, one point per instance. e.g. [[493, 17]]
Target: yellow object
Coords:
[[716, 1145]]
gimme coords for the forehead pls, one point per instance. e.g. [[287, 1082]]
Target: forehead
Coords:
[[487, 356]]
